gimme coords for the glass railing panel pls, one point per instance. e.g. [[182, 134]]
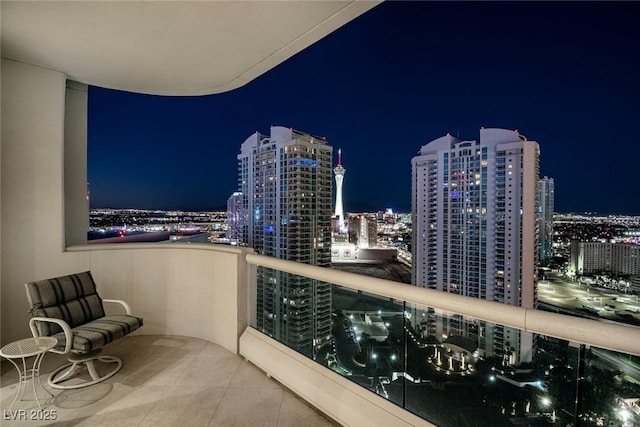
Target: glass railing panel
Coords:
[[445, 367], [369, 341], [358, 335], [464, 371], [292, 309], [610, 389]]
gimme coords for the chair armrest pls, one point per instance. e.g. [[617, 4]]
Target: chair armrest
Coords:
[[122, 303], [68, 335]]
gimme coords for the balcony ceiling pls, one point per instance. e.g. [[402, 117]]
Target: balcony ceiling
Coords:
[[167, 47]]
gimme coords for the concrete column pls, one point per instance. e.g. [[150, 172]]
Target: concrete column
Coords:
[[76, 203], [32, 188]]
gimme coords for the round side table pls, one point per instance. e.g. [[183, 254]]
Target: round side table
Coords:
[[24, 349]]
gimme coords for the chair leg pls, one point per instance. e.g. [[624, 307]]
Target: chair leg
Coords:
[[71, 369], [92, 370], [107, 359], [68, 370]]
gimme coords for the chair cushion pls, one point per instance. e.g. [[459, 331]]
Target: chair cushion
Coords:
[[99, 333], [72, 298]]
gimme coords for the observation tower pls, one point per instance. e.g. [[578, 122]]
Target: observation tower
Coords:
[[340, 171]]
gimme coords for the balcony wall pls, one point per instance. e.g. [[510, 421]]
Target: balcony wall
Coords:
[[179, 289], [32, 207]]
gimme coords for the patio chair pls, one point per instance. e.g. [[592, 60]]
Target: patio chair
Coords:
[[69, 309]]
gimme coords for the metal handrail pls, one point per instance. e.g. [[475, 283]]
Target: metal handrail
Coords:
[[611, 336]]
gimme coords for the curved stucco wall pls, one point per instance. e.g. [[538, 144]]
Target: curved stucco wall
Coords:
[[195, 290]]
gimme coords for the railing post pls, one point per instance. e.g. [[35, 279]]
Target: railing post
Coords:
[[251, 289], [406, 353], [580, 385]]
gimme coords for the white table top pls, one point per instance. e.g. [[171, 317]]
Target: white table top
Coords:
[[28, 347]]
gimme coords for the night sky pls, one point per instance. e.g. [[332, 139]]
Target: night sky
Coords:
[[405, 73]]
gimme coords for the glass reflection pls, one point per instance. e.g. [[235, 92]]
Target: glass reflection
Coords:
[[453, 370]]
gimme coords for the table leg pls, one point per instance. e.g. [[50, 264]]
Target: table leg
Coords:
[[20, 375], [25, 375], [36, 373]]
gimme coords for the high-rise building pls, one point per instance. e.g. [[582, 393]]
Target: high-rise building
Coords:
[[545, 217], [363, 230], [339, 172], [605, 257], [474, 230], [235, 217], [285, 182]]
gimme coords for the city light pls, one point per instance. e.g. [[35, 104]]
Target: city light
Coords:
[[554, 288]]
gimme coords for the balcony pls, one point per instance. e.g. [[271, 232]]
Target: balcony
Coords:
[[196, 291], [198, 302]]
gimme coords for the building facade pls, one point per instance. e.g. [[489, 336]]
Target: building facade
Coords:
[[610, 257], [235, 217], [474, 231], [363, 230], [545, 217], [286, 185]]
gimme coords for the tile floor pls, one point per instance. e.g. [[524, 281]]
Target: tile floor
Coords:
[[164, 381]]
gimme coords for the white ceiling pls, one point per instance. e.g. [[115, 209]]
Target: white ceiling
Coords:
[[167, 47]]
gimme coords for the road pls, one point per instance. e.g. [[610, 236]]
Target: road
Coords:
[[566, 294], [584, 300], [632, 371]]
